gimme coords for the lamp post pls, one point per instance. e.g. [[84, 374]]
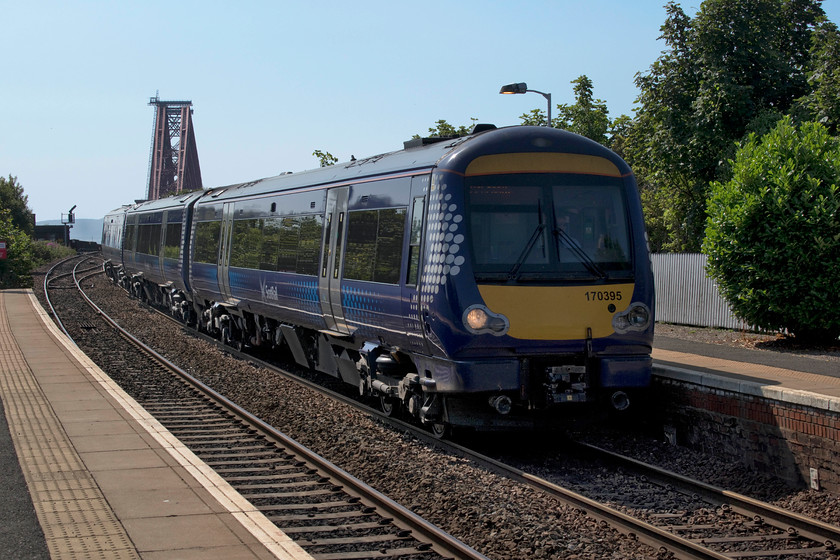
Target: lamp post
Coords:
[[522, 87]]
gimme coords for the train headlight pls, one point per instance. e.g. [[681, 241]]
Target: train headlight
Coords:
[[480, 320], [634, 318]]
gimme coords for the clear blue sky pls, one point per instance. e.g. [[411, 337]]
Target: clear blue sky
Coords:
[[271, 81]]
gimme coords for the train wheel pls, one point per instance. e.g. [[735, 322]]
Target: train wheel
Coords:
[[389, 405], [441, 430]]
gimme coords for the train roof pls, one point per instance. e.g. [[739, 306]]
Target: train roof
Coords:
[[417, 155], [175, 201], [426, 153]]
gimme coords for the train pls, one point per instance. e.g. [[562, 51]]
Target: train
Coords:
[[498, 280]]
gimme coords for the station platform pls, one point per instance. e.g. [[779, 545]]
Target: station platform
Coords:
[[788, 378], [86, 473]]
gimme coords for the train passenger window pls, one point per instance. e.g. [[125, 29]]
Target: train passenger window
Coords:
[[270, 245], [374, 245], [148, 239], [309, 246], [245, 245], [414, 241], [289, 234], [207, 236], [172, 241], [287, 244], [130, 236]]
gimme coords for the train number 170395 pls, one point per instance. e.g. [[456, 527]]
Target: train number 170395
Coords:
[[603, 295]]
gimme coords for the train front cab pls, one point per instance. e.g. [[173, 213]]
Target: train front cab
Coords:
[[113, 226], [537, 291]]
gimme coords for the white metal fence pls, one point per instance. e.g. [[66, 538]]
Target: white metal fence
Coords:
[[686, 296]]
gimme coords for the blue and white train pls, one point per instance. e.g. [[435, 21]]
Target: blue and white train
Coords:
[[490, 281]]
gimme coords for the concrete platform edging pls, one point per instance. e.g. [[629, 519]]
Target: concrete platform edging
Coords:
[[749, 387]]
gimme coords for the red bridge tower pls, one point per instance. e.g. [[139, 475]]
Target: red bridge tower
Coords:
[[173, 162]]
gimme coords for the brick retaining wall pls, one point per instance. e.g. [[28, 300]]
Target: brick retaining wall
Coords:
[[783, 439]]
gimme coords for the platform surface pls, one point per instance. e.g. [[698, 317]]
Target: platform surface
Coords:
[[105, 479], [774, 375]]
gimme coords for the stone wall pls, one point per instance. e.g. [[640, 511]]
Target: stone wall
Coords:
[[796, 442]]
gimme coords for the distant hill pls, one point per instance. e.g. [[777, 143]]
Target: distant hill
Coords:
[[83, 229]]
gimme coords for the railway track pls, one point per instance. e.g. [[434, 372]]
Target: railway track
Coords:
[[330, 513], [679, 517]]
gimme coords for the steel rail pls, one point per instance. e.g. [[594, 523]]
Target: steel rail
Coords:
[[789, 521], [47, 280]]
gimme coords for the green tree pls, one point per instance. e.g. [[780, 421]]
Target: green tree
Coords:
[[536, 117], [325, 158], [16, 268], [443, 129], [822, 103], [16, 202], [773, 232], [587, 116], [735, 68]]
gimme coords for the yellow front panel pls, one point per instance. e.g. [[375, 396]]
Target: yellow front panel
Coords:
[[557, 312], [542, 163]]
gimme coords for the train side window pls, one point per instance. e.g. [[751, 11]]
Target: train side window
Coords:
[[360, 256], [130, 235], [310, 244], [415, 235], [374, 245], [172, 241], [245, 245], [288, 244], [148, 239], [270, 243], [207, 236]]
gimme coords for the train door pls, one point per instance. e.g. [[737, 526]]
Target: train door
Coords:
[[329, 280], [412, 322], [224, 251], [162, 245]]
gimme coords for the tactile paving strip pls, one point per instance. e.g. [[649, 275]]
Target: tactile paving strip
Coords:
[[76, 519]]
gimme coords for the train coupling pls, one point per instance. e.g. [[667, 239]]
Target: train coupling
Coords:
[[567, 383]]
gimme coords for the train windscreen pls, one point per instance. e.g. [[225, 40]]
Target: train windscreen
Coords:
[[548, 227]]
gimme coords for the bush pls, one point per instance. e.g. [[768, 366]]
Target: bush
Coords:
[[24, 255], [773, 232], [16, 268], [48, 251]]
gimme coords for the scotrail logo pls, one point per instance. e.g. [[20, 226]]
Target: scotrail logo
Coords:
[[269, 293]]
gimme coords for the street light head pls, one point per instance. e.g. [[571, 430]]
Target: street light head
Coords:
[[521, 87]]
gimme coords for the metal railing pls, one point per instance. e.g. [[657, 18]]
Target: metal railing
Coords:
[[685, 295]]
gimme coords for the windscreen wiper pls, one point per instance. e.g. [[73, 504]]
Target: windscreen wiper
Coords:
[[527, 251], [569, 243]]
